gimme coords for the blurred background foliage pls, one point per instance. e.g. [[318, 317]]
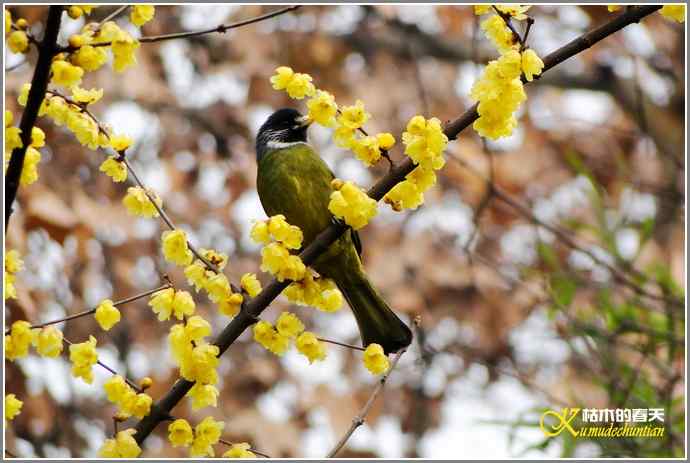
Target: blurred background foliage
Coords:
[[547, 268]]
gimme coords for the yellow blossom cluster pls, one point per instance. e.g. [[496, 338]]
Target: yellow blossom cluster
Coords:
[[196, 358], [107, 314], [48, 341], [13, 264], [309, 345], [216, 285], [200, 440], [275, 256], [288, 327], [351, 203], [424, 142], [138, 203], [346, 121], [122, 446], [321, 293], [17, 41], [83, 357], [499, 91], [167, 302], [375, 360], [32, 157], [129, 402], [13, 407]]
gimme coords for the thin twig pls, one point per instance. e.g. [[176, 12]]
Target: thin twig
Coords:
[[90, 311], [131, 383], [16, 66], [349, 346], [251, 449], [358, 420], [218, 29], [111, 16]]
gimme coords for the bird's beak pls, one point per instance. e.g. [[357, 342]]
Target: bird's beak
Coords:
[[303, 121]]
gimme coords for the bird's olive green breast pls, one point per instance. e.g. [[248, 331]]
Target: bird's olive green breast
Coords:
[[295, 182]]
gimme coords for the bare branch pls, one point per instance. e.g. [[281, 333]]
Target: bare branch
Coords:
[[358, 420]]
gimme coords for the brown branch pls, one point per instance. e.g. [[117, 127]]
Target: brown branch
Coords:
[[90, 311], [221, 29], [253, 308], [131, 383], [358, 420], [39, 84]]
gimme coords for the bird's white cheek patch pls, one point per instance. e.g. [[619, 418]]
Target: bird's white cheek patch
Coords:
[[276, 145]]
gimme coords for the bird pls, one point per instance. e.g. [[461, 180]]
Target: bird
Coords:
[[294, 181]]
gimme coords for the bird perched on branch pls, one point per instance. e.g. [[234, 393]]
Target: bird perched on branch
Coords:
[[294, 181]]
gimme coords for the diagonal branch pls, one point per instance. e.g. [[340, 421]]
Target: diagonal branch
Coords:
[[358, 420], [39, 84], [255, 306]]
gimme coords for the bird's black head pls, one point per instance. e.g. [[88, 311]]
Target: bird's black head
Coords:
[[284, 126]]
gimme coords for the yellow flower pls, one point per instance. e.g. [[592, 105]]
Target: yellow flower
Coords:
[[515, 11], [218, 259], [322, 108], [196, 275], [123, 446], [496, 30], [674, 12], [230, 306], [13, 264], [367, 150], [86, 96], [124, 48], [18, 42], [203, 395], [260, 233], [269, 338], [107, 314], [141, 14], [481, 9], [309, 346], [613, 8], [18, 341], [83, 356], [141, 406], [137, 203], [300, 86], [120, 142], [197, 328], [375, 360], [240, 450], [344, 137], [353, 205], [9, 118], [13, 406], [531, 64], [282, 78], [217, 286], [320, 293], [66, 74], [48, 342], [38, 137], [206, 434], [90, 58], [425, 142], [251, 284], [114, 169], [289, 325], [8, 21], [180, 433], [116, 389], [404, 195], [354, 117], [30, 169], [201, 364], [386, 140], [276, 260], [175, 247], [289, 235]]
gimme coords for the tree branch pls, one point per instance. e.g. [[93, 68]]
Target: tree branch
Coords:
[[253, 308], [358, 420], [39, 84]]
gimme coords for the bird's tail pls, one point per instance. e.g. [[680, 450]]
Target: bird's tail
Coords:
[[377, 322]]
